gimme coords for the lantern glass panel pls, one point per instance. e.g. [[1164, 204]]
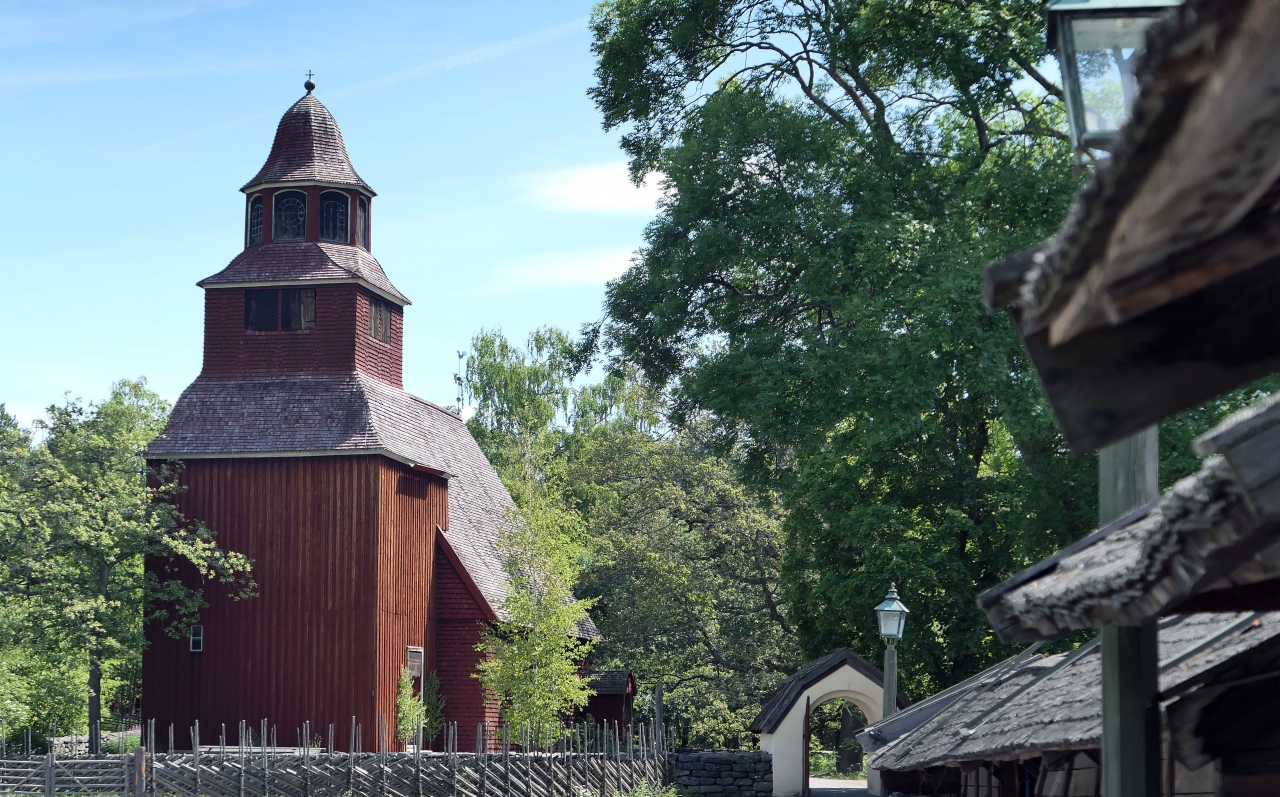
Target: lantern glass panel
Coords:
[[1105, 50], [891, 623]]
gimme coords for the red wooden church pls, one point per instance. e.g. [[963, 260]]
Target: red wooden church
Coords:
[[370, 514]]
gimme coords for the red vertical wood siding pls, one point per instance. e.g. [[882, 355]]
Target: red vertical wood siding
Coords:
[[459, 623], [342, 549], [411, 505]]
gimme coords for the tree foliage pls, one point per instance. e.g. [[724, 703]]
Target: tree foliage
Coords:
[[80, 512], [532, 656], [410, 713], [837, 174], [680, 559]]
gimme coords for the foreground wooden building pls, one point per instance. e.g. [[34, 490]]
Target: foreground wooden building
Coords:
[[370, 515], [1033, 725]]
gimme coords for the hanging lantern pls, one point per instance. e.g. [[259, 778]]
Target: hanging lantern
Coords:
[[1098, 43]]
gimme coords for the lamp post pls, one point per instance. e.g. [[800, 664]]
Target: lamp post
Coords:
[[892, 617], [1097, 43]]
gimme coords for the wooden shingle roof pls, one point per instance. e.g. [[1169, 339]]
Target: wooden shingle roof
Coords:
[[1055, 703], [1158, 291], [1193, 549], [308, 148], [789, 691], [280, 262]]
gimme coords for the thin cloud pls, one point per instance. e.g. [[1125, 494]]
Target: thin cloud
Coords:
[[468, 57], [601, 188]]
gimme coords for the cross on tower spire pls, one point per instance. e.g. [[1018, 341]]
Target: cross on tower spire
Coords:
[[309, 85]]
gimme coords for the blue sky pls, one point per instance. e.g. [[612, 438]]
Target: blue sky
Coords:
[[127, 128]]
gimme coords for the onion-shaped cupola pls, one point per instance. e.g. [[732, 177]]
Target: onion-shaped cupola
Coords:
[[308, 148], [307, 214], [308, 190]]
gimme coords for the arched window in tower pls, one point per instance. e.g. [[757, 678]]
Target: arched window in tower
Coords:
[[290, 222], [255, 221], [362, 223], [333, 216]]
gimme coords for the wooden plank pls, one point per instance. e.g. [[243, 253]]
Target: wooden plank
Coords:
[[1109, 383], [1224, 156]]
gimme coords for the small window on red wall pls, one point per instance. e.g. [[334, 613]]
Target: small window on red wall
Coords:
[[255, 221], [362, 223], [298, 309], [261, 310], [379, 320], [269, 310]]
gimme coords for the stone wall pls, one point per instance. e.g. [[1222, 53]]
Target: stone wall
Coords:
[[728, 774]]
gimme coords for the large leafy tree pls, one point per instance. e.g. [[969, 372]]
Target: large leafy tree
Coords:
[[680, 559], [80, 513], [533, 656], [837, 174], [685, 562]]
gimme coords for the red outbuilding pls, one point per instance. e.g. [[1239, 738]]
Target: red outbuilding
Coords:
[[370, 515]]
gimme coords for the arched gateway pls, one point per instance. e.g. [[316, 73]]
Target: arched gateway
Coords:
[[783, 722]]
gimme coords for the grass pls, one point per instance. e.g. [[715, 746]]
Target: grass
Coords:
[[822, 764], [122, 744]]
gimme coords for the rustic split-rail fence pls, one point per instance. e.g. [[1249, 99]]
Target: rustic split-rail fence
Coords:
[[581, 761]]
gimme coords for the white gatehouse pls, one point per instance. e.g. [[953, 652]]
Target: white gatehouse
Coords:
[[783, 722]]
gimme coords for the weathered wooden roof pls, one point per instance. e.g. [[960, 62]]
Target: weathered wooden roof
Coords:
[[1158, 290], [308, 148], [1055, 703], [789, 691], [1192, 549], [613, 682], [300, 262]]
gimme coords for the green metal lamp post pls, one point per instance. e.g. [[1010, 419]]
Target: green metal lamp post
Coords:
[[1097, 43], [892, 617]]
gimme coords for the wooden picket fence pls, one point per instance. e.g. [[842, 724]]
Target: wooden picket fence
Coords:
[[584, 761]]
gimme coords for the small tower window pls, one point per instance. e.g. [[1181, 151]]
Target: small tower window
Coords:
[[290, 221], [379, 320], [362, 223], [333, 216], [255, 221], [298, 308], [261, 310], [197, 639]]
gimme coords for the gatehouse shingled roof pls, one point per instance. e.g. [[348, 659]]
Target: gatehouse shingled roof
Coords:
[[308, 148], [788, 692], [282, 262], [1055, 703]]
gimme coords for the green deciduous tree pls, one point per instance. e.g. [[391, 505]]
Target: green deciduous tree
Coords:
[[532, 657], [432, 707], [681, 558], [837, 174], [410, 715], [80, 512]]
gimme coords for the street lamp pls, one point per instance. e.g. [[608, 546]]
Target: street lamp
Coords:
[[892, 617], [1097, 43]]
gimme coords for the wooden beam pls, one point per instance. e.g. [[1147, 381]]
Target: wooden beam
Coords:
[[1222, 159], [1128, 478], [1112, 381], [1264, 596]]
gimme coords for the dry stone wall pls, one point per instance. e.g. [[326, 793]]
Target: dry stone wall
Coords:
[[725, 774]]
